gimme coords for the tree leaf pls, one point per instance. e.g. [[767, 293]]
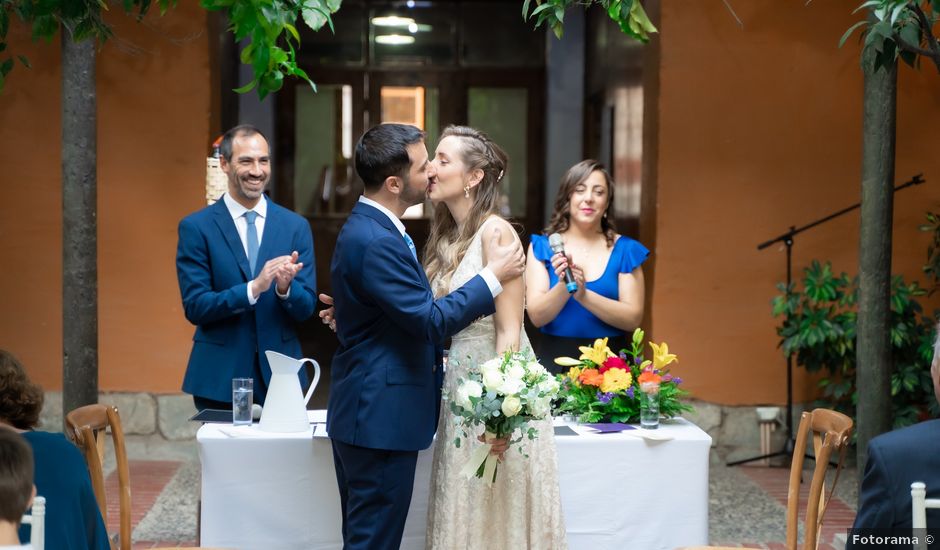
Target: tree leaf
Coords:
[[868, 4], [541, 8], [850, 31], [6, 67], [246, 88], [314, 16], [293, 31], [910, 33], [334, 5], [25, 61]]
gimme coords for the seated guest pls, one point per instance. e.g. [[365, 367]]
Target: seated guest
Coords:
[[16, 487], [895, 460], [608, 301], [73, 521]]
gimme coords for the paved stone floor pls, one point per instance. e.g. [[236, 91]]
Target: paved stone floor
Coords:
[[746, 504]]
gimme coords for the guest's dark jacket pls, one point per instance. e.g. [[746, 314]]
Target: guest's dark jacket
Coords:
[[73, 521], [895, 460]]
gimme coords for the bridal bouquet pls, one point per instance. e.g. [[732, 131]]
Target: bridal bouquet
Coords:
[[603, 386], [502, 395]]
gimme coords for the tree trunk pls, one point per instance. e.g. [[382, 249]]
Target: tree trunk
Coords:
[[874, 317], [79, 225]]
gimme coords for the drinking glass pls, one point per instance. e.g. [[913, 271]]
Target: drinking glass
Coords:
[[242, 397], [649, 409]]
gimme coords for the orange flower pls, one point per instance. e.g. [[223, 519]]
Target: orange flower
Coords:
[[648, 376], [591, 377]]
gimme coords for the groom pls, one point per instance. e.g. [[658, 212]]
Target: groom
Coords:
[[386, 378]]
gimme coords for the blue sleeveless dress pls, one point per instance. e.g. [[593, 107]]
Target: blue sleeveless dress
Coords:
[[575, 325]]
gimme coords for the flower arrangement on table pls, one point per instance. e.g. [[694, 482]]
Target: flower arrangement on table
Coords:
[[503, 395], [603, 386]]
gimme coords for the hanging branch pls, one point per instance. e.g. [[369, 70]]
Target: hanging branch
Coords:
[[933, 53], [268, 29], [899, 28]]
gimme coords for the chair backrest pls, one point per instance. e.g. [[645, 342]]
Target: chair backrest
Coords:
[[920, 503], [88, 427], [831, 432], [36, 519]]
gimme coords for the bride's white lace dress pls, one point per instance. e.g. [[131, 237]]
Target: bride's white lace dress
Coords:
[[522, 509]]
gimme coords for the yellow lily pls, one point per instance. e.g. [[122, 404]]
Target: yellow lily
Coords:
[[567, 362], [598, 353], [661, 355]]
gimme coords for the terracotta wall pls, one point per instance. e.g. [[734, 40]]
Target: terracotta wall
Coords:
[[153, 127], [760, 128]]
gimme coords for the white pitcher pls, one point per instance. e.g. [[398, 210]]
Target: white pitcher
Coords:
[[285, 406]]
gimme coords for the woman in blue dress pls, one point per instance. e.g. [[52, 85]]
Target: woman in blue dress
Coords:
[[73, 520], [608, 301]]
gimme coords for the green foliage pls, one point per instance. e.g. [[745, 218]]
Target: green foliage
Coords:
[[818, 326], [899, 29], [628, 14], [269, 26], [932, 267], [81, 19]]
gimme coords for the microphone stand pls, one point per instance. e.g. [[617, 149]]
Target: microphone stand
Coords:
[[787, 239]]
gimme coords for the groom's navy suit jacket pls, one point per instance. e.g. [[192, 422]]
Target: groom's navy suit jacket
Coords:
[[213, 273], [386, 379]]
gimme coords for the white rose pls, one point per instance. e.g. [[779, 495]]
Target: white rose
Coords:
[[534, 368], [492, 379], [510, 386], [549, 386], [539, 407], [491, 365], [511, 405], [516, 371], [468, 389]]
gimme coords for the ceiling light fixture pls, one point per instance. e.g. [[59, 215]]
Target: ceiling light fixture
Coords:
[[394, 39], [392, 21]]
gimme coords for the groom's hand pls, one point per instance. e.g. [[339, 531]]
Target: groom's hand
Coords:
[[506, 261]]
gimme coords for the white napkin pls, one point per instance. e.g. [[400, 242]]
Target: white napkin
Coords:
[[649, 435]]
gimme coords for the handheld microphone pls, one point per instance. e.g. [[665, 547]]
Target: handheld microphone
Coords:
[[558, 246]]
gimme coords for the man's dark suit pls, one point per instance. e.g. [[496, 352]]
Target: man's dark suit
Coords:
[[231, 334], [385, 390], [895, 460]]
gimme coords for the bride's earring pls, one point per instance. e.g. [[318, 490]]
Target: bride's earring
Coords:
[[466, 191]]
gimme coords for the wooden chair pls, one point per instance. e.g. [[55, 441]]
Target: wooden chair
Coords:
[[36, 519], [88, 427], [831, 432]]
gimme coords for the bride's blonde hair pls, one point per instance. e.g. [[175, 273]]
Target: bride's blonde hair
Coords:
[[448, 243]]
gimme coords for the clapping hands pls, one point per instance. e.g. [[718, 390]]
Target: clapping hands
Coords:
[[279, 271]]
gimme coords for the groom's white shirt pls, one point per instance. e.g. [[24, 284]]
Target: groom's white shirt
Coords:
[[491, 281]]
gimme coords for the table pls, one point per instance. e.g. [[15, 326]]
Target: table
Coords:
[[619, 490]]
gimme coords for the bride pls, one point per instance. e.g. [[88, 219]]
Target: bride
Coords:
[[522, 509]]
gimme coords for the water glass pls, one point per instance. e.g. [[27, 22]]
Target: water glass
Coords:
[[242, 398], [649, 410]]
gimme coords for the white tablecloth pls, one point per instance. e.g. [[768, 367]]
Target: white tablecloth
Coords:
[[619, 490]]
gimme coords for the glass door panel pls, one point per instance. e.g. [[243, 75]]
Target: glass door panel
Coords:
[[418, 106], [502, 114], [324, 183]]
